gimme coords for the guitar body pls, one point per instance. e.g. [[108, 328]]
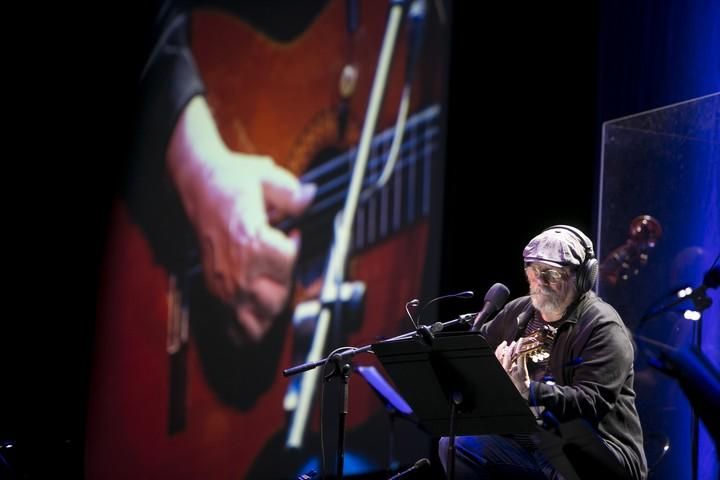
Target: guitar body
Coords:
[[282, 100]]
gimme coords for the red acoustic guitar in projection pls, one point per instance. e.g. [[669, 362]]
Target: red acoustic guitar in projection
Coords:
[[172, 395]]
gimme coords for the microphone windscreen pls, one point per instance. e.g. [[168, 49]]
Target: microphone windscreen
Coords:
[[498, 295]]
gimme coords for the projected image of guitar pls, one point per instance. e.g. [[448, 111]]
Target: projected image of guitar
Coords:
[[176, 393]]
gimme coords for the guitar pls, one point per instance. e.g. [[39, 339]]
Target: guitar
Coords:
[[170, 396], [537, 345]]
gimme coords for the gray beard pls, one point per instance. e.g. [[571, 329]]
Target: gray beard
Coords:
[[549, 302]]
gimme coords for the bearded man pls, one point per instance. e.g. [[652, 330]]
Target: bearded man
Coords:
[[588, 374]]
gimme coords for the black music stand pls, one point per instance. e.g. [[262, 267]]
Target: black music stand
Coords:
[[455, 386], [395, 405]]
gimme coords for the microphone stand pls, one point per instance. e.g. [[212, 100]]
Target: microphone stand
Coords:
[[701, 301], [343, 369]]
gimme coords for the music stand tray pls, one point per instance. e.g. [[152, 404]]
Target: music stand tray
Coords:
[[460, 366]]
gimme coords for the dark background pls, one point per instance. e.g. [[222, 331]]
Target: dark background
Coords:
[[530, 86], [521, 138]]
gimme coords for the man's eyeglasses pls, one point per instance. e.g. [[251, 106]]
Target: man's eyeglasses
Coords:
[[548, 275]]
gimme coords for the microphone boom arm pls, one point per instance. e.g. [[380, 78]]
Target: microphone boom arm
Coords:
[[352, 351]]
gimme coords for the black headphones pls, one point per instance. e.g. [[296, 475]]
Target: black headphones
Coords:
[[588, 271]]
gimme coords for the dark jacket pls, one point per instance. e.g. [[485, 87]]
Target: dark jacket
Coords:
[[592, 364]]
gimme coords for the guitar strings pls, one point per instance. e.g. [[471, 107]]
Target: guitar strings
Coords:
[[332, 192], [424, 117]]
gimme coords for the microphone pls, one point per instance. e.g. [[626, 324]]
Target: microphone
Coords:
[[494, 301], [420, 464], [699, 296], [412, 303], [464, 294]]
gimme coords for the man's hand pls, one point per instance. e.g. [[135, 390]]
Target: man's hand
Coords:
[[232, 200], [517, 370]]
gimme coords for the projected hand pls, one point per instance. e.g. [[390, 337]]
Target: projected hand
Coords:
[[233, 200]]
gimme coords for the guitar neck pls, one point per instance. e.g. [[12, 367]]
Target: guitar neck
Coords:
[[404, 199]]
